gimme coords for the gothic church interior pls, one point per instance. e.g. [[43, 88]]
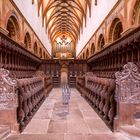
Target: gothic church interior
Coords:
[[70, 69]]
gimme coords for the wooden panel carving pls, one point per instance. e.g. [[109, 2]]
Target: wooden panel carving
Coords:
[[114, 56], [8, 90], [128, 84]]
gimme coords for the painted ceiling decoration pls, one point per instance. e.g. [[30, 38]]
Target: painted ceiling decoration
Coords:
[[64, 17]]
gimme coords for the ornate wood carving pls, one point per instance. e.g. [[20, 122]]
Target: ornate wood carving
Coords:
[[99, 92], [53, 68], [8, 90], [128, 84], [40, 73], [13, 57], [114, 56], [20, 99]]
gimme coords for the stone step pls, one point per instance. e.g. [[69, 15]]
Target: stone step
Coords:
[[137, 123], [131, 132], [4, 132]]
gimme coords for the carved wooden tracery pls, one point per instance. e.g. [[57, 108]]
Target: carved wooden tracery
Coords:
[[8, 94], [128, 84]]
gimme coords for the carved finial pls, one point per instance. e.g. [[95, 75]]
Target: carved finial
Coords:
[[8, 95], [128, 84]]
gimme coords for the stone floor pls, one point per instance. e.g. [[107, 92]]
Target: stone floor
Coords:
[[54, 121]]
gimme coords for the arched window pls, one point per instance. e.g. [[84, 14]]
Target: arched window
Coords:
[[136, 13], [40, 53], [87, 54], [44, 54], [13, 28], [83, 55], [35, 48], [27, 41], [115, 30], [92, 49], [101, 42]]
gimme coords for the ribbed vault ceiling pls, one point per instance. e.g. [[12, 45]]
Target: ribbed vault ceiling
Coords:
[[64, 17]]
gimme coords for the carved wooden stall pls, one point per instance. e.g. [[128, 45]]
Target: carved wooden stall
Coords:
[[80, 85], [99, 92], [8, 100], [13, 57], [99, 89], [76, 68], [116, 55], [31, 86], [47, 81], [31, 95], [53, 67], [127, 96]]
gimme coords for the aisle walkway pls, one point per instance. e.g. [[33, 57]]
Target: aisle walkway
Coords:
[[52, 122]]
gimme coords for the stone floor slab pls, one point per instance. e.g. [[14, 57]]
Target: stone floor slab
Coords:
[[78, 126], [43, 114], [87, 114], [54, 121], [73, 137], [97, 126], [37, 126], [57, 127], [51, 136]]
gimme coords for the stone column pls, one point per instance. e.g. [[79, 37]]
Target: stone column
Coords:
[[8, 101], [127, 95]]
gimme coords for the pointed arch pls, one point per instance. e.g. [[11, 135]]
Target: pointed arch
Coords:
[[35, 48], [92, 49], [87, 54], [136, 13], [13, 27], [101, 41], [27, 40], [116, 29], [40, 52]]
